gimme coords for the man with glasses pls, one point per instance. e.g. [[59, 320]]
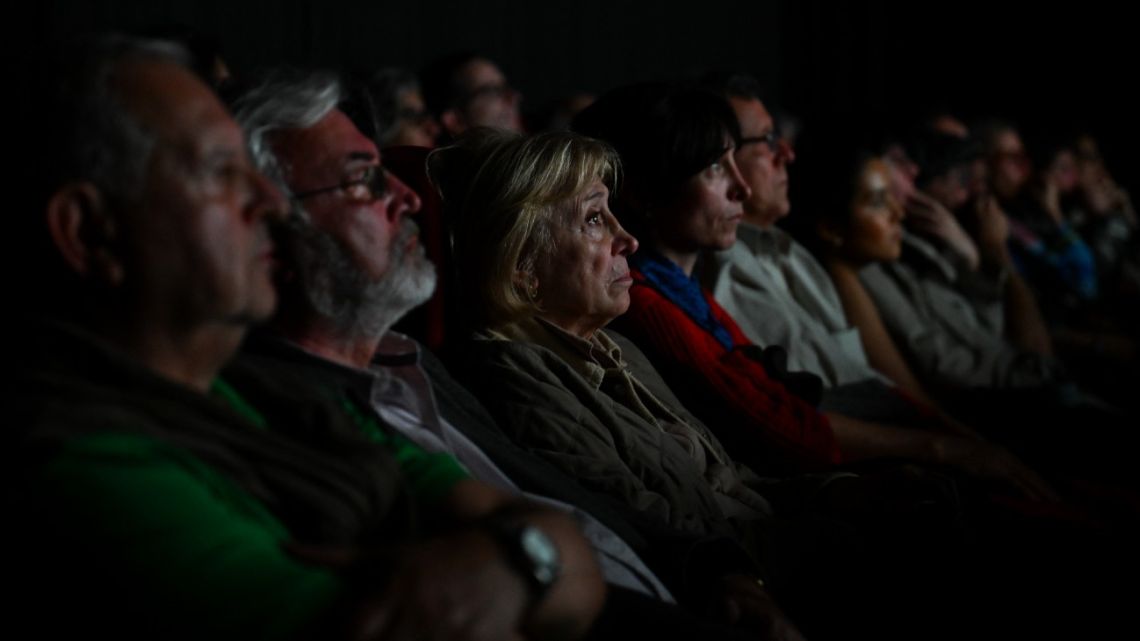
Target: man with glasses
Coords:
[[772, 286], [466, 90]]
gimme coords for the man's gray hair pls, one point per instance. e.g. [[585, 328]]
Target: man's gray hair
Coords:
[[284, 99]]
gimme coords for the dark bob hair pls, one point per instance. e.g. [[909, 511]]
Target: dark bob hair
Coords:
[[663, 133]]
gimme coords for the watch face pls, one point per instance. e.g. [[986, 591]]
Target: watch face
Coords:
[[542, 552]]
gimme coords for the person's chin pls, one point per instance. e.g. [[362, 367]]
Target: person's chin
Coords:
[[728, 239], [621, 306]]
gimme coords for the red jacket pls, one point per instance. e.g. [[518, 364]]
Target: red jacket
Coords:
[[756, 417]]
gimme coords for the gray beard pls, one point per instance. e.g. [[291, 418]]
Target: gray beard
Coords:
[[358, 306]]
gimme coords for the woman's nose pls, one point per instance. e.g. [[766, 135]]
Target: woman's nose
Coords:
[[624, 242], [738, 189]]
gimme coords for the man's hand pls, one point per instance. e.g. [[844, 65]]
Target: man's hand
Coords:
[[746, 603], [927, 216]]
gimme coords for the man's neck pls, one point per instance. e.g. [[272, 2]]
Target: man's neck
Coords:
[[758, 220], [319, 338], [188, 356]]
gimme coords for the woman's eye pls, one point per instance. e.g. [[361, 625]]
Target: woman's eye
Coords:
[[594, 218]]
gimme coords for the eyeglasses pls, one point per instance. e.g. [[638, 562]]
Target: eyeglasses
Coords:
[[372, 186], [772, 139]]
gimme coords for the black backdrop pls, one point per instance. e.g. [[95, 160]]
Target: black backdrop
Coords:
[[1046, 68]]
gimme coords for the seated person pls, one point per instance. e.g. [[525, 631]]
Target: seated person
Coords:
[[1055, 261], [465, 90], [770, 284], [155, 500], [391, 106]]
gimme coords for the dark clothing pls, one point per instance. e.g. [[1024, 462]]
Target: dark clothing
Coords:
[[147, 509]]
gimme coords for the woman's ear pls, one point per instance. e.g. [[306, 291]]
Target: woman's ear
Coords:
[[526, 282], [83, 231]]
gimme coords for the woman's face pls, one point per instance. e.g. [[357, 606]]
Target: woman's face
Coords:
[[1009, 166], [1064, 171], [584, 282], [707, 210], [874, 229]]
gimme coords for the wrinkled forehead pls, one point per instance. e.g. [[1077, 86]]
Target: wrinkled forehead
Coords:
[[593, 195], [324, 151]]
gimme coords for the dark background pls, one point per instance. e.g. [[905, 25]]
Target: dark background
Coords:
[[1049, 69]]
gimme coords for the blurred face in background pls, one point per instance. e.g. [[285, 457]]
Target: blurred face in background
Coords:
[[1008, 164], [414, 125], [487, 100], [874, 227]]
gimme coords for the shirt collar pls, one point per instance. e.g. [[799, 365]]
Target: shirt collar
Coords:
[[770, 240], [396, 349], [590, 358]]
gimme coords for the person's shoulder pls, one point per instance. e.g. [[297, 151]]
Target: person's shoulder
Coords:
[[482, 355]]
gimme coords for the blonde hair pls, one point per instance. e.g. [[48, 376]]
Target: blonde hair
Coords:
[[500, 192]]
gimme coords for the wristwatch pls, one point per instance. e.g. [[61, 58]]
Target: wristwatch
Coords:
[[531, 553]]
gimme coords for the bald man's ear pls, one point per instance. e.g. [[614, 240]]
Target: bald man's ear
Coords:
[[83, 231], [453, 122]]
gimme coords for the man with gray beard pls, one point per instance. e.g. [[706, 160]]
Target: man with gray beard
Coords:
[[351, 265]]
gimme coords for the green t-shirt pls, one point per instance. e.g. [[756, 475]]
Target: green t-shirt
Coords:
[[202, 551]]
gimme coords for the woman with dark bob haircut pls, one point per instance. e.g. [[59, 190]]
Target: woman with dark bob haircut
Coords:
[[682, 195]]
